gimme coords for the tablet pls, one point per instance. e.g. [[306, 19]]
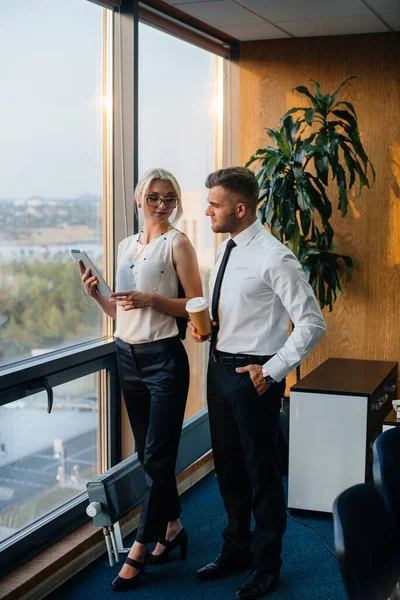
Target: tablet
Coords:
[[102, 286]]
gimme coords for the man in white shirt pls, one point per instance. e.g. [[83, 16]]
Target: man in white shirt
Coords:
[[257, 284]]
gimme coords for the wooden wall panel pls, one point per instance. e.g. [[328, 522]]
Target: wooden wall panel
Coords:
[[366, 322]]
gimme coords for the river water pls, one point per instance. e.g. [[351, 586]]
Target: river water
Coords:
[[47, 252]]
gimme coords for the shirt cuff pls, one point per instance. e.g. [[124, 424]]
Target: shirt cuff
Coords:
[[276, 368]]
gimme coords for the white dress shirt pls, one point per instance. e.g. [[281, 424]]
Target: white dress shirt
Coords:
[[263, 286]]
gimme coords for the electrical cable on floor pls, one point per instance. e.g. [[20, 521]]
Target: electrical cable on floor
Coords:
[[315, 529]]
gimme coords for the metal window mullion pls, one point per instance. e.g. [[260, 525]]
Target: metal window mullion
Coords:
[[114, 415], [125, 118], [231, 78], [109, 430], [125, 176], [108, 149]]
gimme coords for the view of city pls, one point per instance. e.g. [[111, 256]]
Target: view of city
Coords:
[[38, 275], [51, 200], [38, 472], [42, 308]]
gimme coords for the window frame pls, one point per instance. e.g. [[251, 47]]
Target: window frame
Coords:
[[23, 378], [59, 367]]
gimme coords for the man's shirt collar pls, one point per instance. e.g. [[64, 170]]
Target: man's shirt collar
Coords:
[[244, 237]]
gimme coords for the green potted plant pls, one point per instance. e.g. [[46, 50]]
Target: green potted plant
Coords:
[[319, 151]]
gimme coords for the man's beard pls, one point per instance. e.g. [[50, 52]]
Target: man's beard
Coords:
[[229, 225]]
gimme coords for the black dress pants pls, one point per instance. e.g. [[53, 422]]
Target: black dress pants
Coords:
[[244, 432], [155, 381]]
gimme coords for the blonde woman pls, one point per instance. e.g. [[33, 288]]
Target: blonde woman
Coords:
[[152, 361]]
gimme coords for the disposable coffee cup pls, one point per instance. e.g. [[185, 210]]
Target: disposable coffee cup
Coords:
[[197, 309]]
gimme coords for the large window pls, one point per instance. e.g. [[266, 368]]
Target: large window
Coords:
[[180, 114], [54, 135], [58, 177], [46, 459], [51, 164]]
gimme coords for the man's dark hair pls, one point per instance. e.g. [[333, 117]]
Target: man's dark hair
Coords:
[[238, 180]]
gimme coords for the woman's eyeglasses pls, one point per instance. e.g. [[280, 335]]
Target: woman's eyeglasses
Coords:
[[155, 200]]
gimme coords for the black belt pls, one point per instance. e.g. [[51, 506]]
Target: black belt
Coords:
[[238, 360]]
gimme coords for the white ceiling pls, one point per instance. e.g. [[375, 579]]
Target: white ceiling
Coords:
[[270, 19]]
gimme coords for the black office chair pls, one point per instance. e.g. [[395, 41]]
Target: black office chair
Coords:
[[366, 543], [386, 470]]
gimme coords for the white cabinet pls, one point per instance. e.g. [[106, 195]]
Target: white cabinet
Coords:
[[336, 412]]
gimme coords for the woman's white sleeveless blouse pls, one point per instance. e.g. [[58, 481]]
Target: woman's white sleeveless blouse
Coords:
[[146, 269]]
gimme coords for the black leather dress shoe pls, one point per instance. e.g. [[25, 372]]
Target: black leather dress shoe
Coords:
[[257, 584], [221, 567]]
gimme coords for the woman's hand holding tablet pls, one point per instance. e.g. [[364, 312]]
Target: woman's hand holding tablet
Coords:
[[91, 277]]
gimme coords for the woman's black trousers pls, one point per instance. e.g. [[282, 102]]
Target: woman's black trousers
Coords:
[[155, 380]]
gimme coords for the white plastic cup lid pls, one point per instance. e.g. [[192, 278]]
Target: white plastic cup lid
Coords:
[[195, 305]]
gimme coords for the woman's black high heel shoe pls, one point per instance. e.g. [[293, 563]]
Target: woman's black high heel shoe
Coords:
[[179, 540], [120, 584]]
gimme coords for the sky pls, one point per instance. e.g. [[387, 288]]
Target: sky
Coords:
[[50, 114]]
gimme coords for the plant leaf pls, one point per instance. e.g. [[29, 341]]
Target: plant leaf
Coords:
[[290, 129], [305, 220], [341, 85], [346, 116], [349, 106], [294, 242], [309, 116], [272, 165], [303, 90], [256, 156], [333, 149], [328, 203], [321, 166], [274, 135], [322, 140], [349, 164], [270, 210], [357, 145], [322, 100], [288, 215], [291, 112], [261, 212], [342, 187], [276, 229]]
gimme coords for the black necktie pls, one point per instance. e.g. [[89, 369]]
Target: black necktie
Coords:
[[217, 291]]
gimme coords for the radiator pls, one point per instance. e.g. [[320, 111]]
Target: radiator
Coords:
[[117, 491]]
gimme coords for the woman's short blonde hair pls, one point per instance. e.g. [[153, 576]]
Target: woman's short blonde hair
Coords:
[[145, 182]]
